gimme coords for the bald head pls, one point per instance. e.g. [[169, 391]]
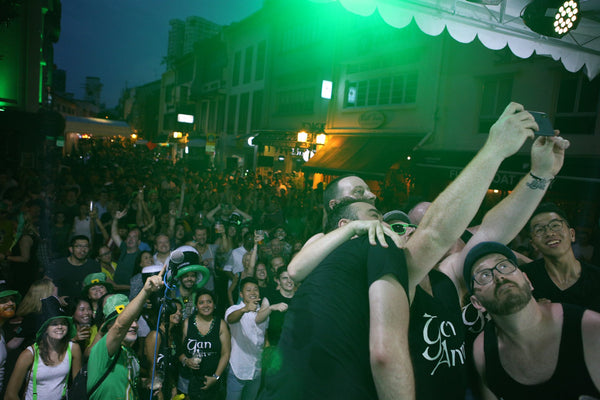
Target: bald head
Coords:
[[417, 212], [347, 187]]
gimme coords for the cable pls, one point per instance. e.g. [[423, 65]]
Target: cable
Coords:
[[160, 310]]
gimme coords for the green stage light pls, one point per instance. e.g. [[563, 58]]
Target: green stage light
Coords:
[[554, 18]]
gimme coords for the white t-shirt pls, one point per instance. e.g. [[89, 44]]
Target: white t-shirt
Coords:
[[234, 263], [247, 342]]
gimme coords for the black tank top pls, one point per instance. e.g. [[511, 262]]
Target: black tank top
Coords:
[[209, 346], [437, 341], [570, 379]]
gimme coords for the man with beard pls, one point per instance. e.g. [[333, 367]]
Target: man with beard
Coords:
[[69, 273], [364, 354], [529, 350], [120, 328], [8, 305], [185, 292]]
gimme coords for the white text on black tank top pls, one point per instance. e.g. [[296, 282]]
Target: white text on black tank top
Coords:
[[435, 336]]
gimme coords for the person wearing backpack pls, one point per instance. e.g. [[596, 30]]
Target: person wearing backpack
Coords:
[[48, 363]]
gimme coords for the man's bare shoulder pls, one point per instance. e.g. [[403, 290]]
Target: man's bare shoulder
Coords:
[[313, 239]]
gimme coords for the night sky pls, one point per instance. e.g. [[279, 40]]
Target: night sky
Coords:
[[124, 41]]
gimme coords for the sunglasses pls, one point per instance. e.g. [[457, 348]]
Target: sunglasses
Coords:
[[400, 227]]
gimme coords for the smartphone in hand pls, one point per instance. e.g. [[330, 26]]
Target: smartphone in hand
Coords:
[[543, 122]]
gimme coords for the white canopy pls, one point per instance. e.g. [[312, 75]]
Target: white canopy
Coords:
[[494, 26], [96, 126]]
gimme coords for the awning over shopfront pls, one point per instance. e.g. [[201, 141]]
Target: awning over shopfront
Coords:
[[495, 26], [447, 165], [96, 127], [370, 157], [275, 138]]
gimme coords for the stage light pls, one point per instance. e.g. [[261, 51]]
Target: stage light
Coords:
[[554, 18]]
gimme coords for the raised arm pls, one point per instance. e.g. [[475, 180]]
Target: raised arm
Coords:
[[114, 229], [117, 332], [211, 214], [100, 225], [181, 199], [451, 212], [247, 217], [388, 340], [319, 247], [504, 221]]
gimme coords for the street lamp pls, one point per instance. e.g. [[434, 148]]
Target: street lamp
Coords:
[[302, 136], [321, 137]]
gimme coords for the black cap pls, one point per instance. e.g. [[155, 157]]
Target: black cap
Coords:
[[395, 216], [481, 250]]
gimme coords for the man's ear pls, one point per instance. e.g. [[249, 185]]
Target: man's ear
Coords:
[[343, 221], [572, 232], [332, 203], [477, 304], [533, 245]]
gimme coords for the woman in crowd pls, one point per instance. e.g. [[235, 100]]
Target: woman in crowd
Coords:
[[144, 259], [95, 286], [81, 222], [166, 369], [206, 350], [266, 285], [48, 363], [81, 312], [107, 265], [30, 311]]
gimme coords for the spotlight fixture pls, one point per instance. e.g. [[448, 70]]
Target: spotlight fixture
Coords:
[[554, 18]]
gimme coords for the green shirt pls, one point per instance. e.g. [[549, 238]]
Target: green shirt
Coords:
[[120, 382]]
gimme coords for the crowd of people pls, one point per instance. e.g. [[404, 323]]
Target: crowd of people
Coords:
[[163, 281]]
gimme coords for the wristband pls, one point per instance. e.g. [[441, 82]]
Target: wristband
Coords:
[[216, 376], [183, 361]]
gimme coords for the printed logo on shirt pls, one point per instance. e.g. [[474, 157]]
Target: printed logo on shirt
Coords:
[[199, 347], [473, 319], [436, 333]]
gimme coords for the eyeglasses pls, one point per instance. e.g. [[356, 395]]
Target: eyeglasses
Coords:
[[556, 225], [485, 276], [400, 227], [81, 246]]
